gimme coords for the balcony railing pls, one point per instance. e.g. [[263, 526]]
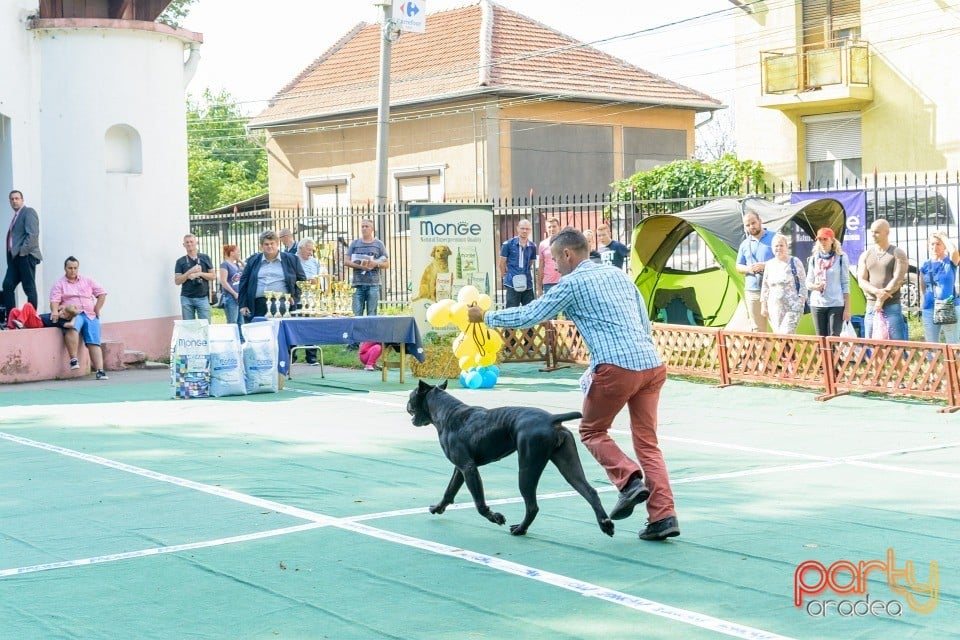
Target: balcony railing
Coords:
[[792, 71]]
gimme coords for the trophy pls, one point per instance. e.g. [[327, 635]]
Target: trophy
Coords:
[[271, 300]]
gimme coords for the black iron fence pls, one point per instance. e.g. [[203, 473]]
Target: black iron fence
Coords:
[[913, 209]]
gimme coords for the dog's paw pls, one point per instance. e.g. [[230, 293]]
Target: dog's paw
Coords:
[[606, 525], [438, 508], [496, 518], [517, 530]]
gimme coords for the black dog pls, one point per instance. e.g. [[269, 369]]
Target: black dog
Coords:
[[471, 437]]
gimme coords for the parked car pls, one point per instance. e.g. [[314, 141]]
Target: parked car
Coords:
[[913, 212]]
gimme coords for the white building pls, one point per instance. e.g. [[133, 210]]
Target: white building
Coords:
[[92, 131]]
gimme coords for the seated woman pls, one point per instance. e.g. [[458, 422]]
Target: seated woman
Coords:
[[88, 297]]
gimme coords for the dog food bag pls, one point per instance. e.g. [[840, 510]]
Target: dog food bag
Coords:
[[444, 286], [190, 359], [226, 361], [260, 356]]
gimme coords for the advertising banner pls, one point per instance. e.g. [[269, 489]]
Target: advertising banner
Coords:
[[451, 245], [855, 236]]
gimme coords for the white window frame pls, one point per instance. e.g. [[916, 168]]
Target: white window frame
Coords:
[[426, 171], [338, 179], [838, 161]]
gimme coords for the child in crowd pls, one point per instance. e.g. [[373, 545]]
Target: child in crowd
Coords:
[[67, 314], [369, 354], [26, 318]]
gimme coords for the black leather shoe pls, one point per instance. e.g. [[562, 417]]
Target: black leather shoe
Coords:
[[635, 493], [661, 529]]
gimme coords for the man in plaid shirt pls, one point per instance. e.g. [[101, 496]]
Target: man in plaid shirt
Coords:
[[625, 369]]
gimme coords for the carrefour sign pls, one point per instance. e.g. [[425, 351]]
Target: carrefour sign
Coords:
[[410, 15]]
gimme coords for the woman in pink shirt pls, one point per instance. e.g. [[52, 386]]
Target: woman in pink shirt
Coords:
[[88, 296], [547, 274]]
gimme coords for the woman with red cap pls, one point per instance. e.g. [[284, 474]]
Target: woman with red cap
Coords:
[[828, 279]]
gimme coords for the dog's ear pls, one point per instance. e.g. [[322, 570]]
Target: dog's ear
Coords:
[[442, 385], [424, 387]]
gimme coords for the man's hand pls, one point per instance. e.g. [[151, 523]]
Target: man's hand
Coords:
[[757, 267], [475, 314]]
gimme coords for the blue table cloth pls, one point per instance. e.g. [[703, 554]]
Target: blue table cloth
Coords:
[[310, 331]]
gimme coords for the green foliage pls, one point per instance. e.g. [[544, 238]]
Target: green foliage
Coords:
[[223, 165], [175, 11], [690, 178]]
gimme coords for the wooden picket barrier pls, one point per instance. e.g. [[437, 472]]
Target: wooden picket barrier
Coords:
[[832, 365]]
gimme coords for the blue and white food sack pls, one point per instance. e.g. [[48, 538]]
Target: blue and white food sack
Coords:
[[260, 356], [190, 359], [226, 361]]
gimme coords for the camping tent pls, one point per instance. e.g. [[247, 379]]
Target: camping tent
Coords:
[[687, 260]]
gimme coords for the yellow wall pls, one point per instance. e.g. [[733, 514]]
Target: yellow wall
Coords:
[[911, 124], [457, 140]]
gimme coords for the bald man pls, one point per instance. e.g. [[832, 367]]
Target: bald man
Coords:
[[881, 270]]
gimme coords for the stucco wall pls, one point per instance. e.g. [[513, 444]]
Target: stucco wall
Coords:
[[19, 95], [474, 166], [910, 126], [125, 228]]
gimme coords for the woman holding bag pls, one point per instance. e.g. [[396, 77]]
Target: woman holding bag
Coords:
[[938, 287], [781, 293], [828, 279]]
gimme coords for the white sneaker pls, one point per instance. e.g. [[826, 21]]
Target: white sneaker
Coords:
[[74, 363], [102, 375]]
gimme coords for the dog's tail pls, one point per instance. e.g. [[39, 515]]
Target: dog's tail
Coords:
[[563, 417]]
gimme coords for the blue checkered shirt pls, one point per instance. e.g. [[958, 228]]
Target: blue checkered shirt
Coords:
[[608, 312]]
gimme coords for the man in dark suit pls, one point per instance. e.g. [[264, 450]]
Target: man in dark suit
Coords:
[[269, 270], [23, 252]]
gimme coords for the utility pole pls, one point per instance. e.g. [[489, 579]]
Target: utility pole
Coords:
[[389, 33]]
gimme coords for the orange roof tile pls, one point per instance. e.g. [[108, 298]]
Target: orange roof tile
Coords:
[[471, 51]]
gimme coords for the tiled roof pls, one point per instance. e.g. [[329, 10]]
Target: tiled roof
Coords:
[[471, 51]]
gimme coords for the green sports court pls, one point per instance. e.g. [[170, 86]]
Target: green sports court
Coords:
[[303, 514]]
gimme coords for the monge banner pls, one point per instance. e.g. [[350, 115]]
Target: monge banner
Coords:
[[451, 246]]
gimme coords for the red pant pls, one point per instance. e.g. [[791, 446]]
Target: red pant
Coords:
[[27, 316], [612, 388]]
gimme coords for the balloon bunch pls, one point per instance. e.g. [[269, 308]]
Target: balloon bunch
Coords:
[[477, 345]]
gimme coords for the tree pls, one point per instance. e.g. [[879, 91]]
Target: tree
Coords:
[[223, 164], [716, 138], [175, 11], [690, 178]]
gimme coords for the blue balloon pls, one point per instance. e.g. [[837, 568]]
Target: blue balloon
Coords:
[[463, 379], [495, 369], [489, 378], [473, 379]]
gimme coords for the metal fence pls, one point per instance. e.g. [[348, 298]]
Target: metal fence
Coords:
[[912, 207]]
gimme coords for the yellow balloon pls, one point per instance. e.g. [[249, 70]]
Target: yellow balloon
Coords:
[[487, 359], [438, 313], [468, 295], [484, 302], [466, 362], [466, 348], [459, 317], [494, 340]]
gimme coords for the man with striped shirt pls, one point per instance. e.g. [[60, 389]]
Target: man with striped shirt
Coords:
[[625, 369]]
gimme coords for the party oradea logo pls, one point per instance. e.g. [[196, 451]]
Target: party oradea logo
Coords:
[[814, 584]]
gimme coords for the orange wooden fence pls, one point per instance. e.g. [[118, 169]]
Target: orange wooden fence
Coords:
[[833, 366]]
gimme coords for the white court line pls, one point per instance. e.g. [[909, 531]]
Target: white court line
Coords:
[[893, 467], [153, 551], [584, 588]]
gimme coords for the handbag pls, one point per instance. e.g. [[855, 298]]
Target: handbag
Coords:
[[881, 328], [944, 311], [796, 281]]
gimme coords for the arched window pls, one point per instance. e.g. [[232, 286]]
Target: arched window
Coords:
[[122, 152]]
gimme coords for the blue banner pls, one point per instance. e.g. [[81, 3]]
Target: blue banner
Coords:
[[854, 237]]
